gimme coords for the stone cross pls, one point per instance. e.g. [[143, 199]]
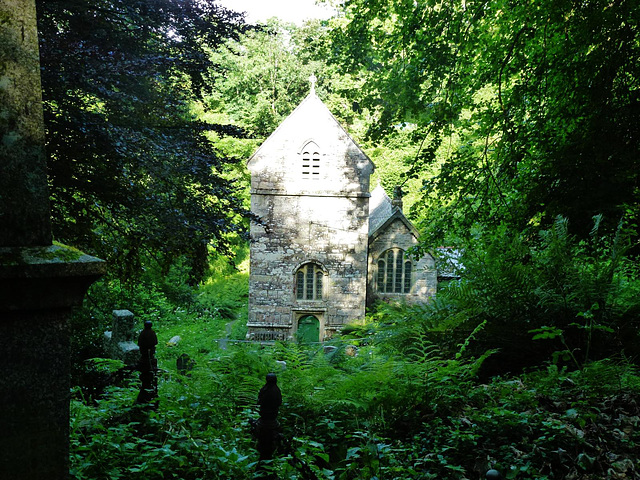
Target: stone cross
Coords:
[[313, 80], [39, 282]]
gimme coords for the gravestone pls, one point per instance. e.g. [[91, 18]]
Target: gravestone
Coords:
[[329, 349], [120, 339], [269, 400], [148, 365], [39, 282]]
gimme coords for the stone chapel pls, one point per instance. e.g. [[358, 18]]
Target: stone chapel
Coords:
[[323, 246]]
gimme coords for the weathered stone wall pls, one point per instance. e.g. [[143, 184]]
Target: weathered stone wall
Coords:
[[331, 231], [424, 274], [320, 217]]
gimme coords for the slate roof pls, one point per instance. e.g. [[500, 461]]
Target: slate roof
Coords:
[[380, 208], [383, 213]]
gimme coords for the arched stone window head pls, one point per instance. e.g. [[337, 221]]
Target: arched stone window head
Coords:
[[309, 282], [395, 272], [310, 161]]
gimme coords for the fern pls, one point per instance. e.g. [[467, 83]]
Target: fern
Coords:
[[246, 391], [422, 350], [295, 355]]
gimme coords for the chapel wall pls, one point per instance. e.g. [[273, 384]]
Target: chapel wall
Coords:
[[310, 193], [425, 278], [331, 231]]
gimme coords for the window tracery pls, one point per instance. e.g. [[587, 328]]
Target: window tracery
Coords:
[[394, 272]]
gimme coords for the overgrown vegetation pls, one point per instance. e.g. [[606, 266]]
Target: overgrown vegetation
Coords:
[[412, 393], [385, 413], [513, 128]]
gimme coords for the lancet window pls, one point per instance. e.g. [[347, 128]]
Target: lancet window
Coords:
[[394, 272], [311, 162], [309, 282]]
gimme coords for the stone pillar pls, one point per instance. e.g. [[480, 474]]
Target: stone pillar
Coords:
[[24, 217], [38, 287], [39, 282]]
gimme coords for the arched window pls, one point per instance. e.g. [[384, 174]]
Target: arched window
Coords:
[[309, 282], [311, 162], [394, 272]]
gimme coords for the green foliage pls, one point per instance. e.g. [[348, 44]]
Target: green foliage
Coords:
[[498, 135], [132, 176], [202, 314], [524, 110], [259, 78], [406, 403], [133, 443], [403, 417], [578, 295], [226, 295], [393, 157]]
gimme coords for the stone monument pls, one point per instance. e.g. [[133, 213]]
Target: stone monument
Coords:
[[148, 366], [39, 282], [119, 341]]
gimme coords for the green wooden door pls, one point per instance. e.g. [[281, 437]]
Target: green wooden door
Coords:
[[308, 329]]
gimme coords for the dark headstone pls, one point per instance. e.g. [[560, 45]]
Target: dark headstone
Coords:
[[148, 364], [269, 400]]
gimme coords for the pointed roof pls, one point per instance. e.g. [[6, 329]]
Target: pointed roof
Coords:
[[311, 110], [380, 208], [382, 213]]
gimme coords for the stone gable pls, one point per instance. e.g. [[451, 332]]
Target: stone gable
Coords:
[[398, 235], [310, 153]]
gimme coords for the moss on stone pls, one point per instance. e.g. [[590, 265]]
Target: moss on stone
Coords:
[[67, 253], [57, 253]]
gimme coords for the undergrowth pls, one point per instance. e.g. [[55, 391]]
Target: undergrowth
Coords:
[[374, 415], [404, 395]]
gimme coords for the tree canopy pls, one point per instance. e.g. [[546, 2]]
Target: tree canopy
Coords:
[[512, 124], [529, 109], [491, 114], [131, 170]]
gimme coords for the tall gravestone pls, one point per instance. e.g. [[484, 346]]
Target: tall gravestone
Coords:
[[39, 282]]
